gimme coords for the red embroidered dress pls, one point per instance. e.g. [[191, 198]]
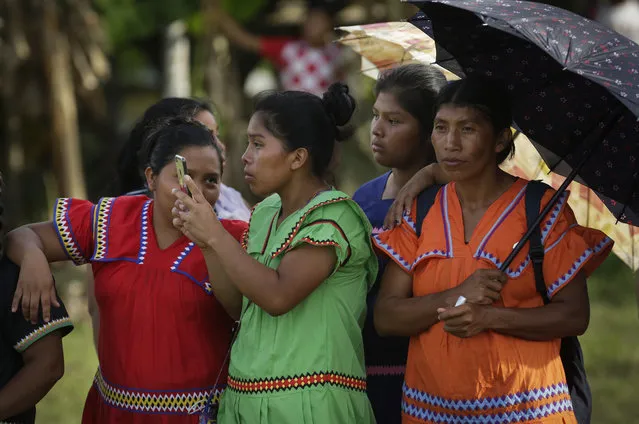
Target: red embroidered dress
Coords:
[[163, 335]]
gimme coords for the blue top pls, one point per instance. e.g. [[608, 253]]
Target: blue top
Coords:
[[385, 356]]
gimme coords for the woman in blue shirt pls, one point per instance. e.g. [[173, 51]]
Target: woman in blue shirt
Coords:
[[400, 139]]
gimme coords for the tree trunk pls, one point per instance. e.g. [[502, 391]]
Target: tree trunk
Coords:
[[177, 76], [64, 115], [11, 150], [12, 161], [224, 87]]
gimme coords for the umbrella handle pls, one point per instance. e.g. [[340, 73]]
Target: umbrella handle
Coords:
[[591, 142]]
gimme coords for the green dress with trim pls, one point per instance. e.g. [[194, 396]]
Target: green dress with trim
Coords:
[[306, 366]]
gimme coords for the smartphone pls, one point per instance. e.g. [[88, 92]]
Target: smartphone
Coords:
[[460, 301], [180, 165]]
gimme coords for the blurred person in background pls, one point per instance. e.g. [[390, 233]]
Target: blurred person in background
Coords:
[[163, 336], [31, 355], [400, 139], [310, 63], [299, 282]]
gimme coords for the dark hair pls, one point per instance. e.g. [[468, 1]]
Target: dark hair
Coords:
[[170, 136], [487, 95], [303, 120], [130, 169], [415, 86]]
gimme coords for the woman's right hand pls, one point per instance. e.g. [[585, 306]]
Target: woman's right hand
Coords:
[[194, 216], [424, 178], [404, 200], [35, 288], [483, 287]]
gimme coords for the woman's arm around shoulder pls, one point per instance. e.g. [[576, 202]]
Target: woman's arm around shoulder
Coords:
[[33, 247], [429, 175]]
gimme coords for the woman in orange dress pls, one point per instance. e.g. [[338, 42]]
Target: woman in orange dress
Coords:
[[495, 358]]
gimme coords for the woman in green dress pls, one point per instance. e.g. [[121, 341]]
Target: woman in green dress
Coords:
[[299, 282]]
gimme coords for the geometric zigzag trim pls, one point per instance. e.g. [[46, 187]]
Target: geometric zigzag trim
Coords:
[[511, 273], [298, 224], [510, 400], [502, 218], [553, 215], [279, 384], [176, 403], [65, 234], [245, 235], [40, 332], [388, 249], [534, 414], [319, 243], [102, 215], [144, 235], [576, 265]]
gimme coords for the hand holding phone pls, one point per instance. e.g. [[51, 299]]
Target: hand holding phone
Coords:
[[460, 301], [180, 165]]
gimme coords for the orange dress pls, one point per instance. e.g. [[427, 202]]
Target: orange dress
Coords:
[[488, 378]]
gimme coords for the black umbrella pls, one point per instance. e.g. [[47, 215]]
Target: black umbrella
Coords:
[[575, 84]]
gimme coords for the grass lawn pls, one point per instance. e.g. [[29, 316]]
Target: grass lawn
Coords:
[[611, 349], [611, 345]]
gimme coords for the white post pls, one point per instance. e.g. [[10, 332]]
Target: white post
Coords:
[[177, 75]]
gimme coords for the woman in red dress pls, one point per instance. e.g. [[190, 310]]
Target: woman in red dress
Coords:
[[163, 335]]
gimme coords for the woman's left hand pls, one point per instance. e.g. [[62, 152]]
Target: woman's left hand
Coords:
[[194, 216], [464, 321]]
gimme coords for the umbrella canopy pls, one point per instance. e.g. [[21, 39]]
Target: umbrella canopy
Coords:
[[388, 44], [576, 85]]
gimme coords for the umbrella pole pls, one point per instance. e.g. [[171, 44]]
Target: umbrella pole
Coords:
[[591, 143]]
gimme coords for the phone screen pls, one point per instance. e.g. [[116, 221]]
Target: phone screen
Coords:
[[180, 165]]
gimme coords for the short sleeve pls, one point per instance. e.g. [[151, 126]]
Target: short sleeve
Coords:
[[271, 48], [73, 220], [236, 228], [325, 232], [22, 334], [19, 332], [401, 243], [569, 247]]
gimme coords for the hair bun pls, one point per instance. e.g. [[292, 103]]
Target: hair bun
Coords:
[[339, 104]]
